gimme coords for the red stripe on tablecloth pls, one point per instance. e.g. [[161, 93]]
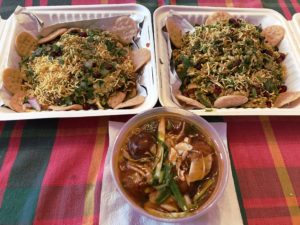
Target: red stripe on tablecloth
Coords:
[[281, 169], [10, 156], [286, 131], [67, 221], [64, 186], [296, 5], [28, 2], [284, 9], [73, 139], [43, 2], [294, 176], [244, 135], [60, 203], [83, 2], [160, 2], [215, 3], [264, 202], [2, 123], [259, 183], [123, 2], [248, 4], [270, 221]]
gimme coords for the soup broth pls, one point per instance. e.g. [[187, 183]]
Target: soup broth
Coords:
[[168, 166]]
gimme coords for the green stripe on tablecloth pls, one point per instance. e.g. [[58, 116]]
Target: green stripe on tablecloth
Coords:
[[60, 2], [8, 7], [36, 2], [188, 2], [4, 139], [22, 192], [213, 118], [151, 5], [290, 7], [237, 190], [272, 5]]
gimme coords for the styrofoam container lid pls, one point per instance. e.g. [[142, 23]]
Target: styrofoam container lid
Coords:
[[58, 14], [197, 15], [295, 27]]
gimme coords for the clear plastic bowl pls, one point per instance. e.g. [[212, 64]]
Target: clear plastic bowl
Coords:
[[205, 127]]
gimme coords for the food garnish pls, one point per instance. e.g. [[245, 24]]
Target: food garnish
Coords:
[[74, 69], [168, 166], [228, 62]]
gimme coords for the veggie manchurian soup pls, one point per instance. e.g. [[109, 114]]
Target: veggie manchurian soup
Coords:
[[168, 166]]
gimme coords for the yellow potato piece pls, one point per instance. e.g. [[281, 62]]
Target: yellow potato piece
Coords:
[[25, 43], [12, 80]]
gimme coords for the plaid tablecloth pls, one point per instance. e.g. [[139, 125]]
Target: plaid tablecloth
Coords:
[[51, 170]]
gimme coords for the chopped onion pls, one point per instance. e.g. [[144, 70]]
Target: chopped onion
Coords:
[[197, 170], [34, 104], [208, 163]]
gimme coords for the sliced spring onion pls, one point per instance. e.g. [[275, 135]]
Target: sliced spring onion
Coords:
[[203, 190], [160, 148], [177, 195], [163, 195]]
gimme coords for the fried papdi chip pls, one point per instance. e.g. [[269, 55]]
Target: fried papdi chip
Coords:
[[273, 34], [217, 17], [17, 101], [53, 35], [286, 98], [116, 99], [139, 58], [25, 43], [12, 80], [73, 29], [189, 101], [230, 101], [137, 100], [293, 104], [65, 108], [125, 28], [175, 31]]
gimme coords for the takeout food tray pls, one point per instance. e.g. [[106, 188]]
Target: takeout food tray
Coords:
[[57, 14], [264, 17]]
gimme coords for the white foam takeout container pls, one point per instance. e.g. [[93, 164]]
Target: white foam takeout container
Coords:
[[58, 14], [263, 17]]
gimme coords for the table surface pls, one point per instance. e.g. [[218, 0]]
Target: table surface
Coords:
[[51, 170]]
